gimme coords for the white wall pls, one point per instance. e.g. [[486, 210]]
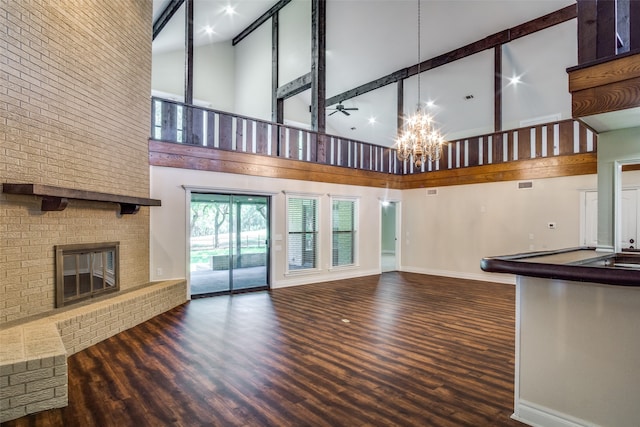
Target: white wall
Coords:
[[449, 233], [169, 223], [446, 234], [167, 72], [541, 60], [253, 74], [213, 74], [295, 41]]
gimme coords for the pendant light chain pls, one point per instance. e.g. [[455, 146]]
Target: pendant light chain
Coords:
[[419, 37], [420, 140]]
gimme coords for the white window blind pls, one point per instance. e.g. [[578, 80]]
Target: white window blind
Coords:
[[343, 232], [302, 242]]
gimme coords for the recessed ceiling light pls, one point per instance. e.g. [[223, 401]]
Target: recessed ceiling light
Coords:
[[209, 29], [430, 104], [372, 120], [230, 10], [514, 80]]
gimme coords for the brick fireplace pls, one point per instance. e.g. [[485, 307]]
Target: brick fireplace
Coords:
[[76, 82]]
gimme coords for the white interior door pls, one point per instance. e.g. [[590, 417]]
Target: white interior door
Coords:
[[629, 218]]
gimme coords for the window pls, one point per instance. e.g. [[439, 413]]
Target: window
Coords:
[[302, 243], [343, 221]]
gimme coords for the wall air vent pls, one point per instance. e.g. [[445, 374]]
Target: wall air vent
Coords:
[[432, 192], [525, 184]]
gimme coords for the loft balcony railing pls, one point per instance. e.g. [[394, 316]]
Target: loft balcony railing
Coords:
[[214, 129], [176, 122]]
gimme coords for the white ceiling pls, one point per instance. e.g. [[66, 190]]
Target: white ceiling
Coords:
[[208, 13], [367, 39]]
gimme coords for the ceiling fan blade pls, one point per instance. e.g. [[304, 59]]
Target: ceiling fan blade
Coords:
[[331, 114], [352, 108], [345, 112]]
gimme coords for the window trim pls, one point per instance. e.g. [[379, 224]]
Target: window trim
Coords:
[[318, 251], [356, 235]]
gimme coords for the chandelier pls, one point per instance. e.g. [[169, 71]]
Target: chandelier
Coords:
[[420, 139]]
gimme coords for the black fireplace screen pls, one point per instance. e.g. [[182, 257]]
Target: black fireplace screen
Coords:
[[86, 270]]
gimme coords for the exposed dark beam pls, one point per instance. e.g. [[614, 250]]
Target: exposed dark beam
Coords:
[[275, 65], [166, 16], [400, 104], [318, 64], [490, 42], [634, 25], [188, 71], [587, 30], [497, 89], [606, 42], [294, 87], [549, 20], [261, 20], [188, 37], [368, 87]]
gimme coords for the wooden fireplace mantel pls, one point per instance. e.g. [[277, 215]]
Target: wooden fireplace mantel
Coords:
[[57, 198]]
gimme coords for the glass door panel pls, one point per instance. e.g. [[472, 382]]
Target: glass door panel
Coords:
[[251, 251], [210, 248], [228, 248]]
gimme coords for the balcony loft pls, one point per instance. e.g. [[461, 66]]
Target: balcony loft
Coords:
[[605, 85], [190, 137]]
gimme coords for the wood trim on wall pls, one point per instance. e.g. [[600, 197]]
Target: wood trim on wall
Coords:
[[201, 158], [547, 167], [609, 86]]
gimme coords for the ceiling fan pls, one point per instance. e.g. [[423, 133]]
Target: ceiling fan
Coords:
[[344, 110]]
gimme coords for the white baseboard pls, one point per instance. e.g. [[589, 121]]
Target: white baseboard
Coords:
[[540, 416], [508, 279], [306, 279], [318, 277]]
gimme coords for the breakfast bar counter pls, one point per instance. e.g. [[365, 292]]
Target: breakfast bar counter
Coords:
[[577, 356]]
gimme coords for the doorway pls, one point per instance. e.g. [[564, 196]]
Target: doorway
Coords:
[[389, 238], [630, 217], [229, 243]]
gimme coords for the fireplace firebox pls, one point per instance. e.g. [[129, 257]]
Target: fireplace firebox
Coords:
[[85, 271]]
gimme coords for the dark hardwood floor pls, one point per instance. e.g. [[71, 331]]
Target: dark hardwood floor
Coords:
[[398, 349]]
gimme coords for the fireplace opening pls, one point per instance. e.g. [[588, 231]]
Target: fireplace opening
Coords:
[[86, 270]]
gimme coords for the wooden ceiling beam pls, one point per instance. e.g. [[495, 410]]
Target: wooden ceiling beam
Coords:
[[166, 16], [294, 87], [490, 42], [261, 20], [318, 64]]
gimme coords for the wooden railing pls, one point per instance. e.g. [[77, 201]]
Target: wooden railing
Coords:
[[177, 122], [180, 123], [560, 138]]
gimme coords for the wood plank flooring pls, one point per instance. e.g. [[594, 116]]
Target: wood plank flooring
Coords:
[[398, 349]]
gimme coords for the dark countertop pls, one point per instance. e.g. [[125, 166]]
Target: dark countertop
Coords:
[[575, 264]]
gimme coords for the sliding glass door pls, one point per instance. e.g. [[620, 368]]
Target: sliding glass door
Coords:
[[229, 243]]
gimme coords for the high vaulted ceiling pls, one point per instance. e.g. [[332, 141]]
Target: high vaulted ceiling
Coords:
[[368, 39]]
